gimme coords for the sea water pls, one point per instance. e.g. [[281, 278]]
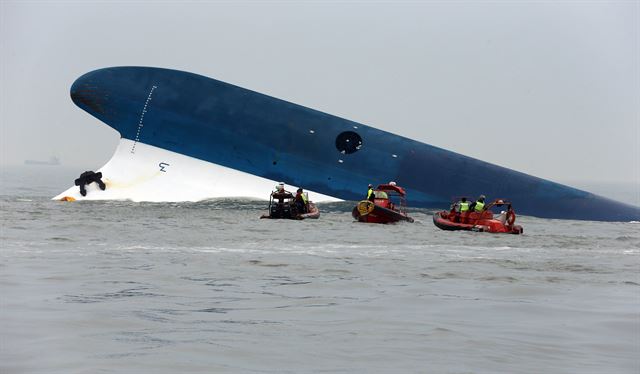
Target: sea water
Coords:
[[123, 287]]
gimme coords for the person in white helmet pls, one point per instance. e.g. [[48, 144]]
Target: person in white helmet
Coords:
[[279, 188], [280, 193]]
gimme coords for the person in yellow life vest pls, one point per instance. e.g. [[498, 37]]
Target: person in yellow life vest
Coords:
[[478, 205], [463, 205], [462, 208], [301, 201], [370, 194]]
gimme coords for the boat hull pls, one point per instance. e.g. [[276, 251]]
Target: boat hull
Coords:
[[289, 212], [369, 212], [274, 140], [312, 213], [158, 175], [442, 221]]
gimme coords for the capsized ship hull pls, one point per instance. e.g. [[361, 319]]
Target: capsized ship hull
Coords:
[[261, 139]]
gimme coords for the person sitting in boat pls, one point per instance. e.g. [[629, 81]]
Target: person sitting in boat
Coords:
[[280, 193], [301, 201], [370, 194], [462, 205], [478, 205]]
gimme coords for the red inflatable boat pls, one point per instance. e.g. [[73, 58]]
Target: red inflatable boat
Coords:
[[483, 221], [382, 209]]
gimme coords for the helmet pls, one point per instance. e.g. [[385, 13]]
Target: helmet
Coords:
[[481, 197], [370, 185], [299, 190], [392, 183]]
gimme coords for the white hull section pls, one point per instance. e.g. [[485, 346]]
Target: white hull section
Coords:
[[157, 175]]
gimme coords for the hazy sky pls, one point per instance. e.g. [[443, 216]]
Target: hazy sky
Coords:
[[548, 88]]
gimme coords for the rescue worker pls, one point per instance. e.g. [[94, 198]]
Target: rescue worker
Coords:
[[478, 205], [370, 194], [462, 208], [279, 188], [462, 205], [301, 201], [279, 208], [87, 178], [280, 193]]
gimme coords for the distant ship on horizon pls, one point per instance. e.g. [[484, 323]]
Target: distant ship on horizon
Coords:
[[53, 161]]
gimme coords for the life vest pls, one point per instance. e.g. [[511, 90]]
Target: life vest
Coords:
[[464, 206], [479, 206], [369, 193], [304, 198]]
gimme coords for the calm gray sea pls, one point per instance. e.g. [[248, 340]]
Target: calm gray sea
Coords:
[[122, 287]]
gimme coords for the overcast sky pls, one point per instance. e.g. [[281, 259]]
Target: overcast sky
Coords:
[[548, 88]]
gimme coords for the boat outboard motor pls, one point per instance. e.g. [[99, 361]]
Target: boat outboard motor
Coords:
[[89, 177]]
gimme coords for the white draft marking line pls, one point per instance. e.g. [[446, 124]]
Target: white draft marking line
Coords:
[[141, 122]]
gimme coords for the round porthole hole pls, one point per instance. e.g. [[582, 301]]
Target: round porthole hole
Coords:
[[348, 142]]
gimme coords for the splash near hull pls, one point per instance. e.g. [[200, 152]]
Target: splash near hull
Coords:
[[269, 139]]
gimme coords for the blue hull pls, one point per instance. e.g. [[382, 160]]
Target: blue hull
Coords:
[[271, 138]]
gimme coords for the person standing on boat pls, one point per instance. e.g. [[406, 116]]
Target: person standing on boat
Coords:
[[370, 194], [461, 208], [301, 201], [478, 205], [279, 188], [280, 193]]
